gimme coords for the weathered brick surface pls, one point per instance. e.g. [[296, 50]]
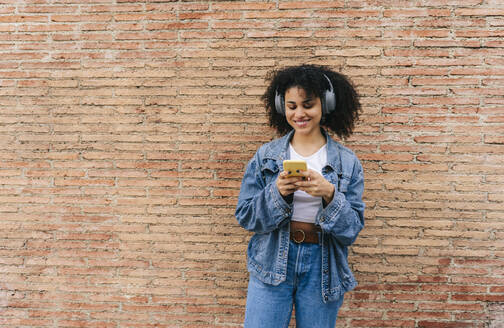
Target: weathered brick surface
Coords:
[[126, 126]]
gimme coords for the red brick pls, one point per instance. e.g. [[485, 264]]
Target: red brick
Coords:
[[382, 323]]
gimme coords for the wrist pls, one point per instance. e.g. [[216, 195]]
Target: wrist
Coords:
[[330, 194]]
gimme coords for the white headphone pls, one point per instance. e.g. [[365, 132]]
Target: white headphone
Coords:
[[328, 101]]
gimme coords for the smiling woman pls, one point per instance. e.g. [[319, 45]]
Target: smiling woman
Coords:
[[303, 223]]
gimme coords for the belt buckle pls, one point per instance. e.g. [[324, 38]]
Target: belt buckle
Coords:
[[295, 239]]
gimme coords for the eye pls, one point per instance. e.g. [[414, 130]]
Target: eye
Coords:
[[308, 105]]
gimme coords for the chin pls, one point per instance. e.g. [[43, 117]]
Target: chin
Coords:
[[305, 130]]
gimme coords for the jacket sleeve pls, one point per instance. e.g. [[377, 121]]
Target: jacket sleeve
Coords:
[[261, 208], [343, 217]]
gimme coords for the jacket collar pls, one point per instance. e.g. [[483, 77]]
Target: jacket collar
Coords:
[[279, 150]]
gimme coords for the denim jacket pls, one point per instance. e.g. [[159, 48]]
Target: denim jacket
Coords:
[[262, 209]]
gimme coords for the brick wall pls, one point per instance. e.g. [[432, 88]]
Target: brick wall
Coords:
[[125, 127]]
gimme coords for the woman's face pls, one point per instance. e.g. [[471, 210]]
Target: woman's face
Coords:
[[302, 112]]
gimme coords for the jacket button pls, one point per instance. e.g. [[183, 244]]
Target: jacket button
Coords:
[[322, 219]]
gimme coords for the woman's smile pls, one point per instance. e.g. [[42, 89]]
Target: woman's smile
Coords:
[[302, 122]]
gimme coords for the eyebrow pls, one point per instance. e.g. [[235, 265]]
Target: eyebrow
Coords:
[[304, 101]]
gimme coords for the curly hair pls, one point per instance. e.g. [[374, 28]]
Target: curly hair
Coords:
[[311, 79]]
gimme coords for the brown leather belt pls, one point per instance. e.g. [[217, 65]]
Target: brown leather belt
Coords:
[[302, 232]]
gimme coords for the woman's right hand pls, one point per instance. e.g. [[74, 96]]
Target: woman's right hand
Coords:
[[287, 185]]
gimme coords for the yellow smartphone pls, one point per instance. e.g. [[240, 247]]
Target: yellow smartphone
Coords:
[[294, 167]]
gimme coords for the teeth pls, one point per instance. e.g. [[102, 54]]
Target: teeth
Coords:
[[302, 123]]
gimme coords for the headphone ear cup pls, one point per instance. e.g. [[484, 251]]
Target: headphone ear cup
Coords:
[[330, 102], [279, 103], [329, 98]]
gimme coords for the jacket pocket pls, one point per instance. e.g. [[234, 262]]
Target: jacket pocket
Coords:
[[269, 170], [340, 181], [343, 184]]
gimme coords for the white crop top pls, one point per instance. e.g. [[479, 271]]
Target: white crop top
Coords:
[[306, 206]]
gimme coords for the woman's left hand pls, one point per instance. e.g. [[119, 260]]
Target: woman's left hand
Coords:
[[316, 185]]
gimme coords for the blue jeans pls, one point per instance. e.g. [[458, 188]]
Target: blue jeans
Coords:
[[270, 306]]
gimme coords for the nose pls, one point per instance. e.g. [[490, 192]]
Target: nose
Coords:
[[299, 112]]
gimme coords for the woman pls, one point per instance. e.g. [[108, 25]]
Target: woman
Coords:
[[303, 225]]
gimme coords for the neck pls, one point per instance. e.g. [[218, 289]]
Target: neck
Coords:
[[311, 141]]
